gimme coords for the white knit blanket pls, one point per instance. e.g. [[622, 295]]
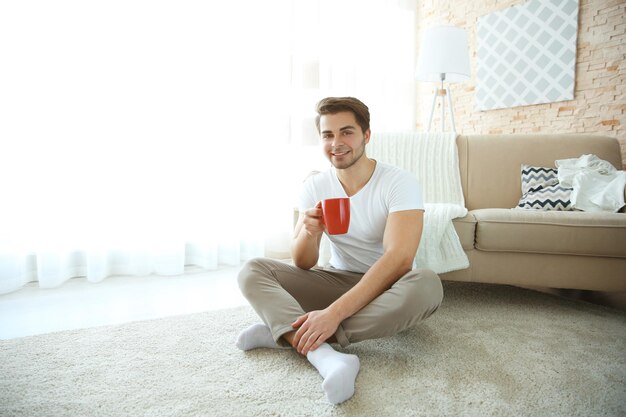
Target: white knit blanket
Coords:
[[433, 158]]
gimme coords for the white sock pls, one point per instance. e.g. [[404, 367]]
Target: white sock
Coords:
[[256, 336], [339, 371]]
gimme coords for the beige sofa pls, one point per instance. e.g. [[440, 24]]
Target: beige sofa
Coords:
[[535, 248]]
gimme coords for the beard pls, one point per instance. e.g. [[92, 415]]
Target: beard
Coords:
[[355, 154]]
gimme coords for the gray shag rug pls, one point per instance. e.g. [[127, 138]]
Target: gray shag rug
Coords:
[[489, 350]]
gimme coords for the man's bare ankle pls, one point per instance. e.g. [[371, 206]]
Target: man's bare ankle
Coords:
[[288, 337]]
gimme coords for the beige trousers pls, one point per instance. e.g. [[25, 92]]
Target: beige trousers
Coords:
[[280, 293]]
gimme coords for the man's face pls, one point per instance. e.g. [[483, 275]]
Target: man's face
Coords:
[[343, 141]]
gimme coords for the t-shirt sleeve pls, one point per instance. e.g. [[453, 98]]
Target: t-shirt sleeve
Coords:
[[405, 193], [307, 199]]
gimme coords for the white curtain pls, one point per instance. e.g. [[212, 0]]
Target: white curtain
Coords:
[[138, 137]]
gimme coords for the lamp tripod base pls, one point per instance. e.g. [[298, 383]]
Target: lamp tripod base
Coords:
[[442, 92]]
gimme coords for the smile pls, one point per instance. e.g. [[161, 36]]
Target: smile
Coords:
[[339, 153]]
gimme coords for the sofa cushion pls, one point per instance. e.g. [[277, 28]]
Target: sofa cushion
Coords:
[[551, 232], [466, 230]]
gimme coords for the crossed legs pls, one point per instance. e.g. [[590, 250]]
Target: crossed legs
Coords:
[[280, 293], [339, 370]]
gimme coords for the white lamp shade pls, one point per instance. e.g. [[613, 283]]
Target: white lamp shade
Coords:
[[443, 50]]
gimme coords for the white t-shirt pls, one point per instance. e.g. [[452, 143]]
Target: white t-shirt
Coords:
[[390, 189]]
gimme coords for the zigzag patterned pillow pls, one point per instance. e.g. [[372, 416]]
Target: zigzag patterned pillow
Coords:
[[536, 178], [541, 190]]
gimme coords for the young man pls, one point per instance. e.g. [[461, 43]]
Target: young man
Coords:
[[369, 289]]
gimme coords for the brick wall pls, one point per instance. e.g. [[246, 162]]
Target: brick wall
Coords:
[[599, 104]]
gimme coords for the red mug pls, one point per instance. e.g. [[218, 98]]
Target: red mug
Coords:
[[336, 215]]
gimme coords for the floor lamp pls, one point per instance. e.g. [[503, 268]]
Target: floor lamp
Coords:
[[444, 58]]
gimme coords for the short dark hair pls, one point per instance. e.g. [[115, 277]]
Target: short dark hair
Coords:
[[333, 105]]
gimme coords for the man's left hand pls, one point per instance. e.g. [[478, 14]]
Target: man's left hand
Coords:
[[314, 328]]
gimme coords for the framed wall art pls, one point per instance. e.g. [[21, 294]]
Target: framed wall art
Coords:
[[526, 54]]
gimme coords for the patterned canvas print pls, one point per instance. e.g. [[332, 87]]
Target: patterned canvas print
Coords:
[[527, 54]]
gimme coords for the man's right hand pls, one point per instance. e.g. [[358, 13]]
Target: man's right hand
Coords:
[[305, 246], [313, 221]]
